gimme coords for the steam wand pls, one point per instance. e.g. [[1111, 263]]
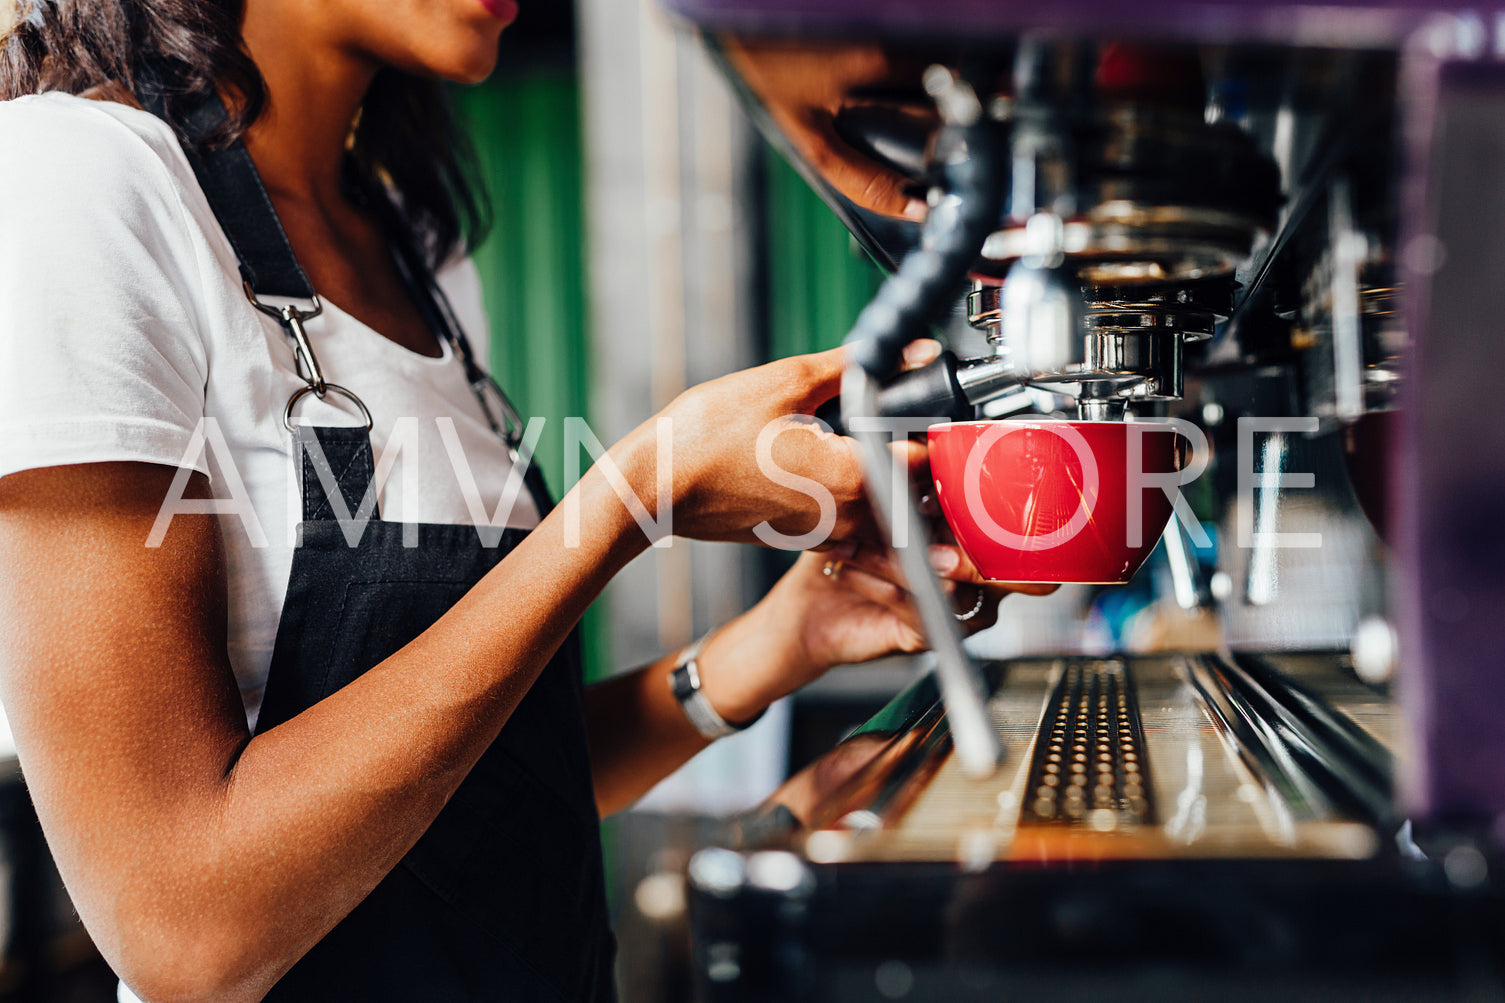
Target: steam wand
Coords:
[[919, 291], [961, 682]]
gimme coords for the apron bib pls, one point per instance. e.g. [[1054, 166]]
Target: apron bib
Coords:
[[503, 898]]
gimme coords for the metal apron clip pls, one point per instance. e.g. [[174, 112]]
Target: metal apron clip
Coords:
[[291, 317], [510, 427]]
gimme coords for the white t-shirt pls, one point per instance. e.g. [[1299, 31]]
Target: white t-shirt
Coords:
[[123, 324]]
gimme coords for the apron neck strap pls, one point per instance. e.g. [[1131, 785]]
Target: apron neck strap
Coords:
[[235, 193], [268, 266]]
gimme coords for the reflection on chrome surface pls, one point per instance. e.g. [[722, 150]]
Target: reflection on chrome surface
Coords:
[[1154, 756]]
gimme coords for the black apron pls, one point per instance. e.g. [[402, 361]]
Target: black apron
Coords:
[[503, 898]]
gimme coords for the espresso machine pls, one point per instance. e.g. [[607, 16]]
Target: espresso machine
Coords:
[[1275, 223]]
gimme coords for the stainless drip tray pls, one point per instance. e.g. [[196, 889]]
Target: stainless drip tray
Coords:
[[1247, 851], [1148, 756], [1089, 766]]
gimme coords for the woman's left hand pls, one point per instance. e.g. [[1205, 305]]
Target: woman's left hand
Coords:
[[843, 606]]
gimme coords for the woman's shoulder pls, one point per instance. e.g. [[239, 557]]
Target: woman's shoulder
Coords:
[[63, 144], [103, 320]]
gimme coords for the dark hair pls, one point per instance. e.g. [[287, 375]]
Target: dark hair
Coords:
[[406, 137]]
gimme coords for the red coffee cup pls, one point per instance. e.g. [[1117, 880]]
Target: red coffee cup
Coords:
[[1049, 501]]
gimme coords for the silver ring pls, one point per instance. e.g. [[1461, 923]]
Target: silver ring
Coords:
[[831, 569], [976, 607]]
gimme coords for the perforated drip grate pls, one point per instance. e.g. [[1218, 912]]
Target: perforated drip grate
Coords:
[[1089, 766]]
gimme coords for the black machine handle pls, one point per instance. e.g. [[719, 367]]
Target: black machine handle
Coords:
[[932, 391]]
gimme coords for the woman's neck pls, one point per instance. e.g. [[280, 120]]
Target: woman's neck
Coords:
[[314, 88]]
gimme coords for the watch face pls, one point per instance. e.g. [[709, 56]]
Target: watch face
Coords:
[[681, 683]]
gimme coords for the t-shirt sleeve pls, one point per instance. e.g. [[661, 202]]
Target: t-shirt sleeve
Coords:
[[101, 355]]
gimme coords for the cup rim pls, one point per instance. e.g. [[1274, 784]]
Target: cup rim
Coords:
[[1045, 423], [1057, 581]]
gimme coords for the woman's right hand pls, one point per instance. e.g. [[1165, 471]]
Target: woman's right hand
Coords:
[[749, 464]]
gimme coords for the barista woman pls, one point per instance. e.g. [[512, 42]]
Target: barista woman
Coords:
[[318, 765]]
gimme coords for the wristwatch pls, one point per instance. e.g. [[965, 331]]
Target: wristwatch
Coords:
[[684, 681]]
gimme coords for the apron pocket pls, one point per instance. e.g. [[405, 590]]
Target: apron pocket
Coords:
[[513, 859]]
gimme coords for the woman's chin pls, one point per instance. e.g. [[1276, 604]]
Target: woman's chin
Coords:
[[463, 68], [472, 74]]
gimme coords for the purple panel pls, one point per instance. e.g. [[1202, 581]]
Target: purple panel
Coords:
[[1350, 23], [1449, 486]]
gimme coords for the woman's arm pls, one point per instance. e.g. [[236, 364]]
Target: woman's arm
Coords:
[[808, 623], [638, 732], [205, 862]]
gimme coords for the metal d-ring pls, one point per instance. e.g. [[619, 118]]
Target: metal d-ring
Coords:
[[329, 388], [291, 317]]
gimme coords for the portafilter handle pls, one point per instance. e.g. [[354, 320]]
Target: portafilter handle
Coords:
[[945, 389]]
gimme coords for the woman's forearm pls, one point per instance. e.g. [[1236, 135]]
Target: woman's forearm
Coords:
[[204, 861], [639, 733]]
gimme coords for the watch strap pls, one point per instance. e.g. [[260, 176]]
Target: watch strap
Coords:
[[684, 681]]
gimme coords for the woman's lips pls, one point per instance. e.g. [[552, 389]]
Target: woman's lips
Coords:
[[502, 10]]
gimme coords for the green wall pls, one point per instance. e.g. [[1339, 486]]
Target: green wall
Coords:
[[527, 133]]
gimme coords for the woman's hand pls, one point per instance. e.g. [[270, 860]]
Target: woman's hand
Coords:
[[746, 462], [844, 606]]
